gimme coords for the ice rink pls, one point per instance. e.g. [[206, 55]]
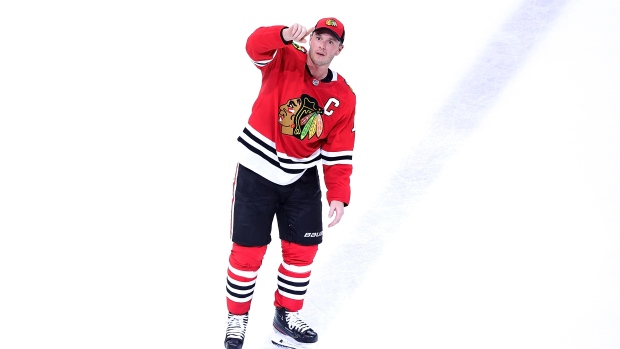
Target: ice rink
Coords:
[[486, 187]]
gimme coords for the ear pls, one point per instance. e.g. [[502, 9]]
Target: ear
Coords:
[[339, 49]]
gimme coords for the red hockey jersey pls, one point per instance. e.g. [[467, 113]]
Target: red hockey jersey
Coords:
[[298, 121]]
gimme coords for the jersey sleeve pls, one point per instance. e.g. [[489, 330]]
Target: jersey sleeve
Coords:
[[338, 160], [262, 45]]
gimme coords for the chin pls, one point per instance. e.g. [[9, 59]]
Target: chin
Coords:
[[320, 62]]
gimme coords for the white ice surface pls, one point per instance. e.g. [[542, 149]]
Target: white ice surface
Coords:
[[486, 192]]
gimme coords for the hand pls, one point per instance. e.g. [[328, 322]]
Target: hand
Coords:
[[296, 32], [337, 207]]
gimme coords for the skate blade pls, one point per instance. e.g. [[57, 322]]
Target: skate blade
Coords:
[[287, 342]]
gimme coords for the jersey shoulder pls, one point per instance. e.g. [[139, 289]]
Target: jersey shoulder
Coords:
[[346, 85]]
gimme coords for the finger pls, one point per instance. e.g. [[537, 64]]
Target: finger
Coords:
[[330, 214], [336, 219], [308, 32], [295, 30], [334, 222], [302, 37], [300, 31]]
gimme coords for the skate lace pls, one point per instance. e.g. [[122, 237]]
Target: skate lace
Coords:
[[295, 322], [236, 326]]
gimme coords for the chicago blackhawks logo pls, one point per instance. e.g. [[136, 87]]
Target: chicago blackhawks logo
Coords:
[[330, 22], [301, 117], [299, 47]]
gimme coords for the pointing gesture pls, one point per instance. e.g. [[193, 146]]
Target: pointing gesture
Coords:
[[296, 32]]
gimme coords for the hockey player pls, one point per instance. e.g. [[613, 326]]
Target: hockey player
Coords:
[[303, 117]]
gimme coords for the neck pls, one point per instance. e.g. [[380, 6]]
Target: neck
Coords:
[[319, 76], [317, 72]]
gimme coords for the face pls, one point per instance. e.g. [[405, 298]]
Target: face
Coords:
[[287, 113], [323, 48]]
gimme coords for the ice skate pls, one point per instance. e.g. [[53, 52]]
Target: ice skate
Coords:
[[290, 331], [235, 331]]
